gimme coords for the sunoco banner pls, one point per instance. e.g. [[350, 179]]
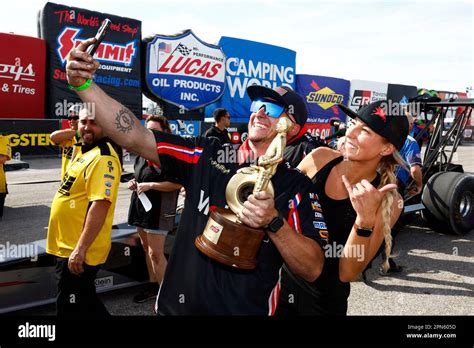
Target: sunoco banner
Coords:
[[22, 83], [183, 70], [366, 92], [321, 95], [250, 63], [65, 27]]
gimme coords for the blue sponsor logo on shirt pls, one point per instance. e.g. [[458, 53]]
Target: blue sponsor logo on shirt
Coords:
[[320, 225]]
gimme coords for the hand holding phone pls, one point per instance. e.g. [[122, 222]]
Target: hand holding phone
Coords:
[[99, 36]]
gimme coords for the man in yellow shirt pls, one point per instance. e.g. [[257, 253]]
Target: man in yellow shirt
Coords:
[[66, 138], [5, 155], [79, 231]]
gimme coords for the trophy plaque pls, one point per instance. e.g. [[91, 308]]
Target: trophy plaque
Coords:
[[227, 240]]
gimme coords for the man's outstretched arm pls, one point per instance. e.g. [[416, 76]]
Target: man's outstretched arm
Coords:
[[118, 122]]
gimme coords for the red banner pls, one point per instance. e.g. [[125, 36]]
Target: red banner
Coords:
[[22, 73]]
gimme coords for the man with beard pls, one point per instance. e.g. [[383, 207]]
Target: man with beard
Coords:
[[193, 283], [80, 224]]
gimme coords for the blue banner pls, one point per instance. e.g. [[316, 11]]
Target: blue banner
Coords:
[[321, 94], [250, 63], [183, 70]]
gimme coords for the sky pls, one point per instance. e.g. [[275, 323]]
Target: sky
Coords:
[[423, 43]]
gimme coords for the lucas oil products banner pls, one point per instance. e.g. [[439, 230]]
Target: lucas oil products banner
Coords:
[[64, 28], [365, 92], [183, 70], [250, 63], [22, 67]]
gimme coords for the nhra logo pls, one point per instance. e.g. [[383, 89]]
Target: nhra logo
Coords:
[[107, 52], [325, 98], [361, 98]]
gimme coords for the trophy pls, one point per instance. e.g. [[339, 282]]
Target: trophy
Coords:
[[227, 240]]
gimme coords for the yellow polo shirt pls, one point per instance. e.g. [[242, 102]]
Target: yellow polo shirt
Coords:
[[67, 154], [93, 175], [5, 150]]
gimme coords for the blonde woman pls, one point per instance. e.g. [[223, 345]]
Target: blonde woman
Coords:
[[358, 196]]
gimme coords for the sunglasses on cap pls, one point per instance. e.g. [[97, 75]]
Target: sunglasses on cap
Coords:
[[71, 118], [270, 108]]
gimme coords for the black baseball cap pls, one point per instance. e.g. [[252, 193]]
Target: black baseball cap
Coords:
[[285, 96], [394, 128]]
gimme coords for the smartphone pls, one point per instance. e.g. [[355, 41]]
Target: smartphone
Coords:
[[99, 36]]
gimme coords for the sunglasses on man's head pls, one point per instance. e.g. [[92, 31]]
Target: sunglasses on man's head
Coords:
[[75, 118], [271, 109]]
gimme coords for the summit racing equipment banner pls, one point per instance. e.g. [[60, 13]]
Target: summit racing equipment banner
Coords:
[[321, 94], [366, 92], [22, 66], [64, 28], [183, 70], [250, 63]]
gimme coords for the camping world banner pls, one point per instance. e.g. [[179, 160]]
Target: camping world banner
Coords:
[[118, 75], [183, 70], [250, 63]]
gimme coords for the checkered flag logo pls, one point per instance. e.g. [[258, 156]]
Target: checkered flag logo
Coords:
[[183, 49]]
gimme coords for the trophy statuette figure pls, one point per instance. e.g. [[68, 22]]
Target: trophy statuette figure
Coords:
[[227, 240]]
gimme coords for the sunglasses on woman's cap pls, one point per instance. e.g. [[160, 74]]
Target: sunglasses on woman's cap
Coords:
[[271, 108], [75, 118]]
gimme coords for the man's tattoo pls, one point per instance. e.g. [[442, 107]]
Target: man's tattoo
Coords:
[[124, 121]]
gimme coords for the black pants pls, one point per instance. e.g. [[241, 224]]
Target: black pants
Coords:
[[2, 202], [76, 294]]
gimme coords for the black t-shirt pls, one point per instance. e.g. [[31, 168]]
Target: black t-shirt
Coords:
[[197, 285], [146, 171], [298, 148], [222, 135], [340, 216]]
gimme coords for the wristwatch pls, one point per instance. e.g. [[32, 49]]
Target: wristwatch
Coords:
[[364, 231], [275, 225]]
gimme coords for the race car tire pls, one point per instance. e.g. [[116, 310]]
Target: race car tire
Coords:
[[449, 201]]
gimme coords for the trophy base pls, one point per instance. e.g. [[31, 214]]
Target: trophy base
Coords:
[[229, 242]]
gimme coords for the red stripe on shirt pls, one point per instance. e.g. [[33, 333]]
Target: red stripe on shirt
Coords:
[[179, 155], [274, 296]]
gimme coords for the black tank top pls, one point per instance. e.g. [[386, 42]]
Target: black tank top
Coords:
[[339, 216]]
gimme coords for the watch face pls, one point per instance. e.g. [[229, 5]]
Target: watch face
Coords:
[[364, 232], [276, 224]]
